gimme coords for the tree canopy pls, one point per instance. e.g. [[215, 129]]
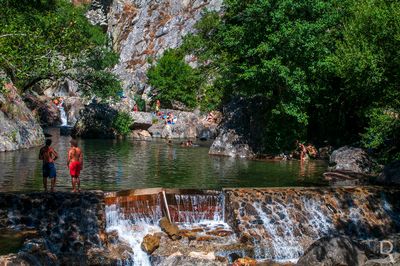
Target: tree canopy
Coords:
[[50, 39], [328, 69]]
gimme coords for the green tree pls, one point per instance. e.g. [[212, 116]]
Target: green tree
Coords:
[[367, 60], [278, 49], [50, 39], [173, 79], [122, 123]]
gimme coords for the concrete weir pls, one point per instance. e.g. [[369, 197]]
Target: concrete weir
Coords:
[[278, 223], [216, 227]]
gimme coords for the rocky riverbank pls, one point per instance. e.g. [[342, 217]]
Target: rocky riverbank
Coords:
[[19, 128]]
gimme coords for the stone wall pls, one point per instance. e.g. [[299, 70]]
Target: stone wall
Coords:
[[68, 228], [284, 222]]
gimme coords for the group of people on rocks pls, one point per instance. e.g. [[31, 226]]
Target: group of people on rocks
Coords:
[[74, 163]]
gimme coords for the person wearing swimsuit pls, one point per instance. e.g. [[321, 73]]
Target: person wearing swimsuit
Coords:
[[48, 155], [75, 164]]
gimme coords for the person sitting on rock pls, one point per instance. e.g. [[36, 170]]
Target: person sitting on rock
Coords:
[[135, 108]]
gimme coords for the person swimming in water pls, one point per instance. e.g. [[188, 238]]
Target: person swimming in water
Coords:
[[75, 164], [48, 155]]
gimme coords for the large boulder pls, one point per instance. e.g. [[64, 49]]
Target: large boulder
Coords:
[[19, 128], [351, 159], [95, 122], [188, 125], [73, 107], [239, 135], [44, 108], [229, 143], [150, 243], [142, 120], [140, 134], [390, 174], [330, 251]]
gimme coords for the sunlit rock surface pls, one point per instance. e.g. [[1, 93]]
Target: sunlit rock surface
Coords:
[[283, 222], [18, 126], [141, 30], [239, 135], [352, 159]]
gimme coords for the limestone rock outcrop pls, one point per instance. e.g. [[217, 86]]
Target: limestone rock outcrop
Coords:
[[188, 125], [238, 134], [19, 128], [142, 30]]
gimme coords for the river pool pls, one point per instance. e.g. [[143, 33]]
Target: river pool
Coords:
[[125, 164]]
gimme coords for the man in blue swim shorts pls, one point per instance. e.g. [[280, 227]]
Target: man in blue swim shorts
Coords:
[[48, 155]]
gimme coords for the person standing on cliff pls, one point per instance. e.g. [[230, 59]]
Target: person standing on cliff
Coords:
[[48, 155], [75, 164]]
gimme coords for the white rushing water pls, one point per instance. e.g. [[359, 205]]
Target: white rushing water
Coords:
[[200, 208], [63, 115], [136, 219], [283, 244], [131, 230]]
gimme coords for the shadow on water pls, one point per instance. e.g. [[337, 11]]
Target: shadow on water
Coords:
[[121, 164]]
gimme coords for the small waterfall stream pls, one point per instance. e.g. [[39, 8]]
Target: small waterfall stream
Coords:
[[63, 115], [191, 209], [133, 217]]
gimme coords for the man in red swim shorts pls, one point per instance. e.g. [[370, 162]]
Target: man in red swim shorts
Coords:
[[75, 164]]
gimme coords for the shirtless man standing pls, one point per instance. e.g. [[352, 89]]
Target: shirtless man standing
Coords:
[[48, 155], [75, 164]]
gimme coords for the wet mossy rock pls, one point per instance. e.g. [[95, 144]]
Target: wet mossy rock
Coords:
[[171, 229], [150, 243], [95, 121], [333, 251]]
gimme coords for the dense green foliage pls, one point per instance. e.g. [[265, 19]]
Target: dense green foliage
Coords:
[[50, 39], [274, 48], [173, 79], [328, 69], [122, 123], [140, 103]]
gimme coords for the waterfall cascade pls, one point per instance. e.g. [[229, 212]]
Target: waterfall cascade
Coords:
[[63, 115], [275, 224]]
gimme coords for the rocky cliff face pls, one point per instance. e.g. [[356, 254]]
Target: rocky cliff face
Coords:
[[142, 29], [18, 127]]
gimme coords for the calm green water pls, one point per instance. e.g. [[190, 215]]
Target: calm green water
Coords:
[[124, 164]]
